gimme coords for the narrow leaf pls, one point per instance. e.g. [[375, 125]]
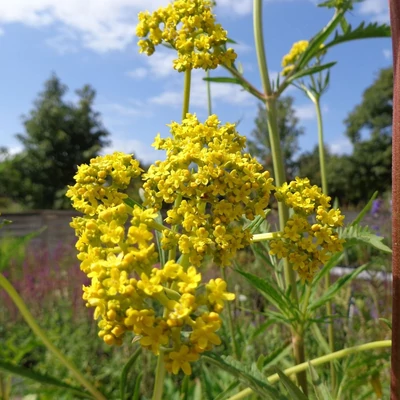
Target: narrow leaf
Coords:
[[310, 71], [294, 392], [125, 372], [132, 203], [335, 287], [41, 378], [159, 235], [251, 377], [228, 390], [138, 381], [387, 322], [272, 293], [367, 207], [223, 79], [321, 391]]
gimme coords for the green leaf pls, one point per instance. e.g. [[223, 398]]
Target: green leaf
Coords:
[[321, 391], [125, 372], [228, 390], [314, 46], [132, 203], [370, 31], [250, 376], [332, 262], [41, 378], [277, 354], [387, 322], [271, 292], [223, 79], [310, 71], [138, 381], [256, 223], [367, 207], [294, 392], [159, 235], [335, 287], [355, 234], [229, 40]]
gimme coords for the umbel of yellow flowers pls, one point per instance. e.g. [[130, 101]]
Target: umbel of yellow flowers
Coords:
[[191, 29], [211, 183]]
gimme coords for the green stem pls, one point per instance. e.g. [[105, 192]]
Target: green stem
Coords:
[[327, 279], [279, 172], [260, 237], [30, 320], [319, 361], [186, 93], [159, 381], [230, 322], [209, 104]]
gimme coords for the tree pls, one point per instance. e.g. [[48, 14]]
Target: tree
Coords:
[[259, 144], [58, 137], [374, 114]]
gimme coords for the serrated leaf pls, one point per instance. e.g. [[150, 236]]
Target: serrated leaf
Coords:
[[310, 71], [41, 378], [321, 390], [370, 31], [335, 287], [294, 392], [271, 292], [355, 234], [125, 372], [250, 376], [223, 79]]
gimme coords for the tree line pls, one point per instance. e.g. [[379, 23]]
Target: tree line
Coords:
[[60, 135]]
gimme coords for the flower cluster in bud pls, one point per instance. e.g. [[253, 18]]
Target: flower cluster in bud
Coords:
[[212, 184], [188, 26], [166, 306], [294, 54], [309, 237]]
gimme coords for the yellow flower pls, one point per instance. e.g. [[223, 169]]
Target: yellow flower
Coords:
[[217, 294], [191, 29], [179, 360]]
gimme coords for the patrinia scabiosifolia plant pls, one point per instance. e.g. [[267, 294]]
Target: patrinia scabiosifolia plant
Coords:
[[211, 185]]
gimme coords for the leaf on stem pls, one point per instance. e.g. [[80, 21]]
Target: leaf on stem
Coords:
[[310, 71], [223, 79], [294, 392], [321, 390], [125, 372]]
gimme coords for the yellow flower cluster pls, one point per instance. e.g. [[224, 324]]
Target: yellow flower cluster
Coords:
[[102, 181], [188, 26], [305, 243], [294, 54], [212, 184], [164, 307]]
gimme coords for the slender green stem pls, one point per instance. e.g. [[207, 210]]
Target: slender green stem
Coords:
[[186, 93], [209, 104], [321, 146], [30, 320], [319, 361], [230, 322], [279, 172], [159, 381], [327, 279], [260, 237]]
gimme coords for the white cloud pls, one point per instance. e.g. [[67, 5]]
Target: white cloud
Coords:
[[377, 9], [99, 25], [1, 32], [340, 146], [306, 111], [137, 73], [64, 42], [387, 53], [145, 153]]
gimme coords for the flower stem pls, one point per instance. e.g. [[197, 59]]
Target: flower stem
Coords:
[[279, 172], [327, 279], [159, 381], [230, 322], [30, 320], [260, 237], [186, 93], [319, 361]]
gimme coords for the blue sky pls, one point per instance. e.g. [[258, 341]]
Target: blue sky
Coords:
[[92, 42]]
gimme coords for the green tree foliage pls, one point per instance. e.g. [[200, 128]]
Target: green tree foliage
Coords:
[[58, 136], [374, 114], [259, 145]]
